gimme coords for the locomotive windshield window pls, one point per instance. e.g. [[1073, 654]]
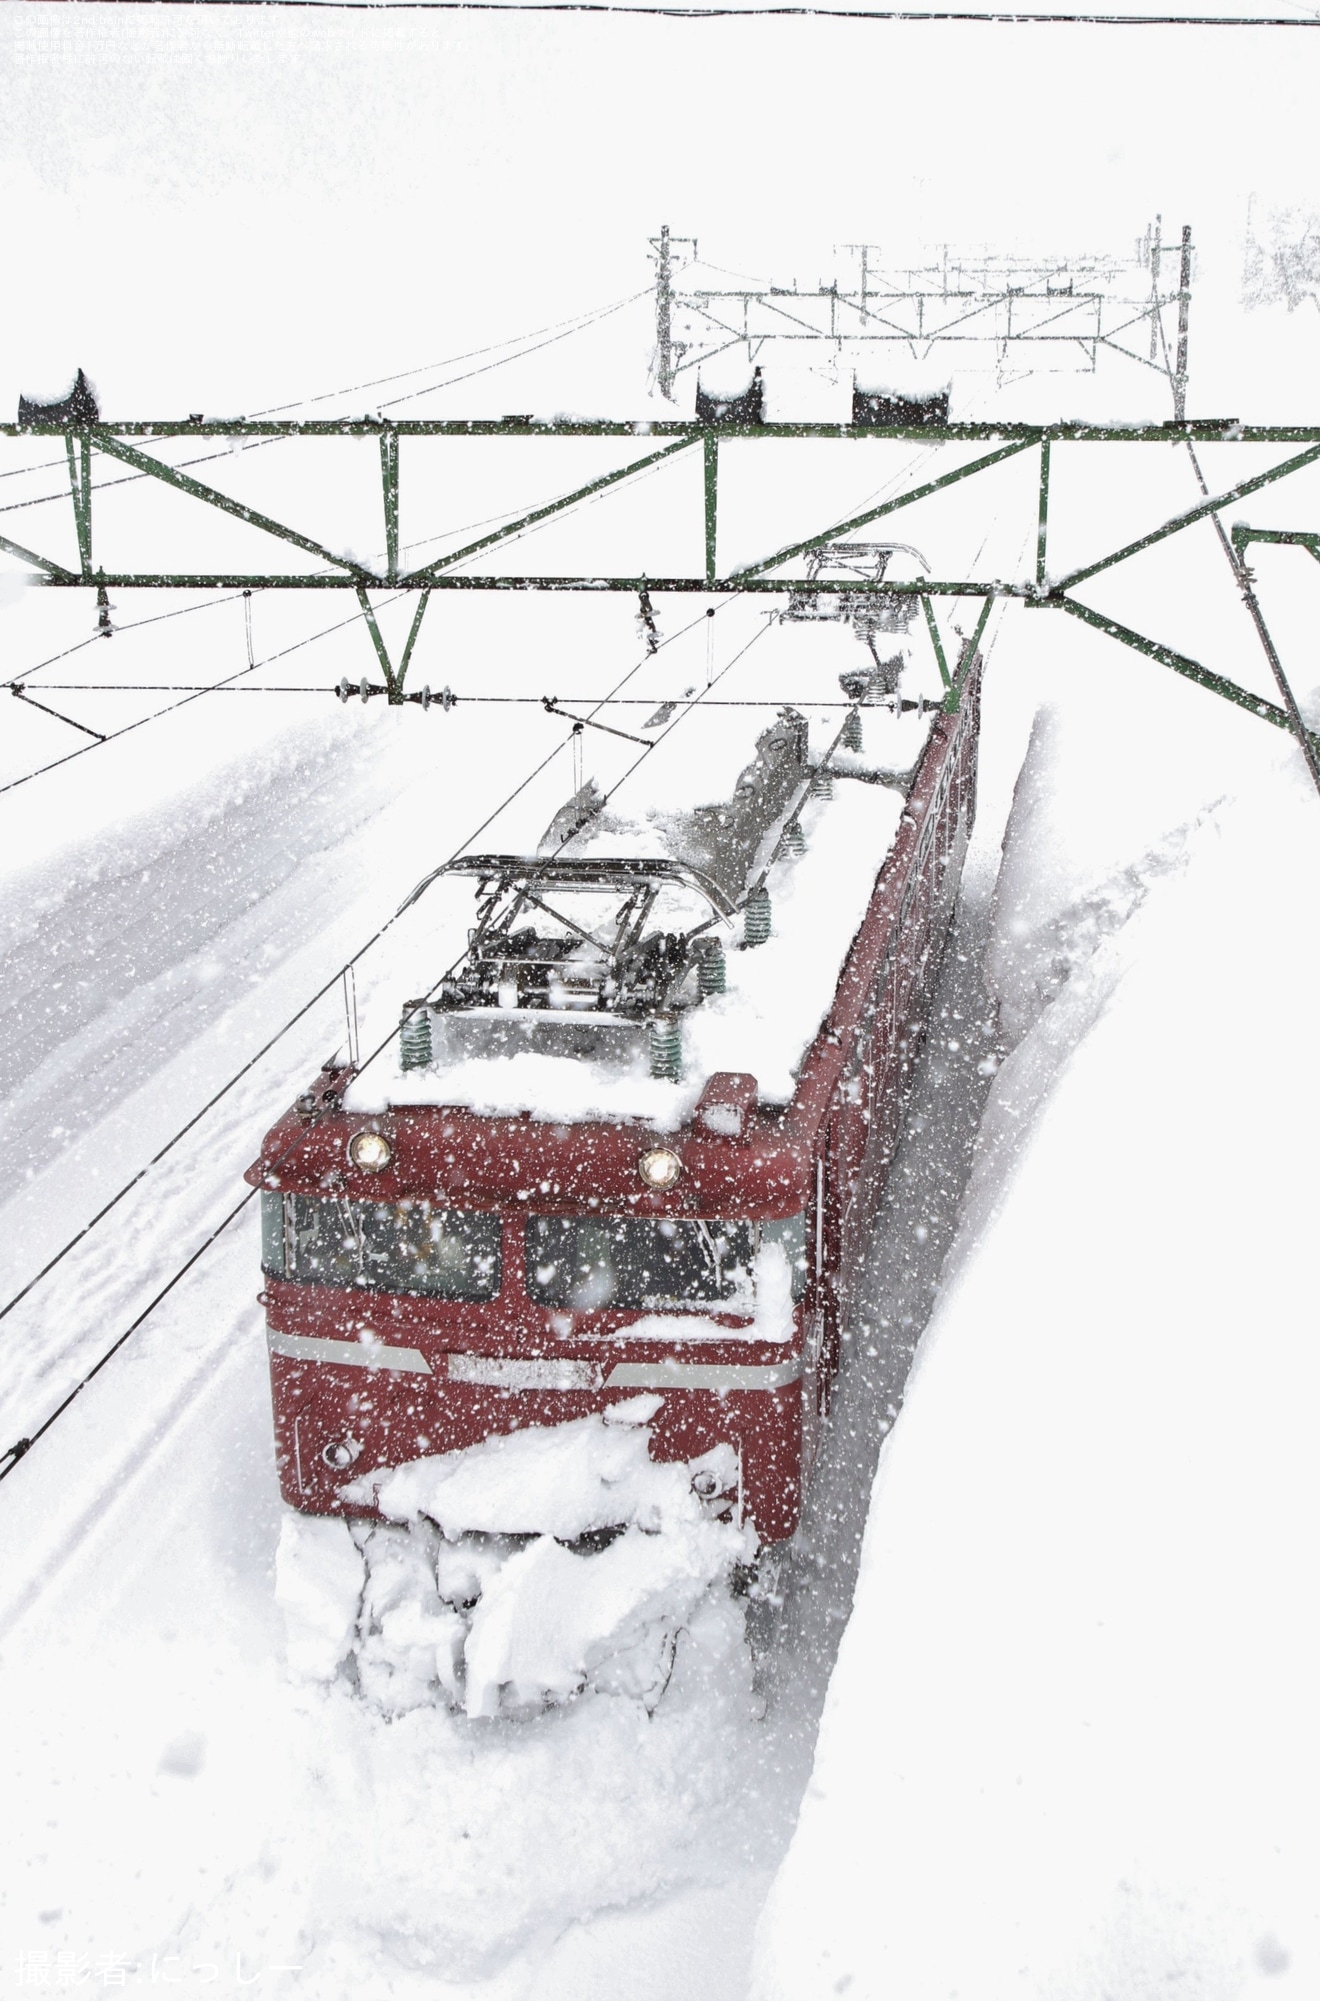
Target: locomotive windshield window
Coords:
[[591, 1263], [394, 1247]]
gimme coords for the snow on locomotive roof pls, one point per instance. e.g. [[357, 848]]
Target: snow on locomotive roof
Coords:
[[776, 994]]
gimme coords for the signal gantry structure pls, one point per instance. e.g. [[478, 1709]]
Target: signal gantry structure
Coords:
[[1056, 314]]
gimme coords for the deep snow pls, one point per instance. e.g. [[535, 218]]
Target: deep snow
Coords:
[[144, 1539], [209, 207], [1070, 1745]]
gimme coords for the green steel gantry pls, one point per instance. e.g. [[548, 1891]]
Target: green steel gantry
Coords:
[[776, 572]]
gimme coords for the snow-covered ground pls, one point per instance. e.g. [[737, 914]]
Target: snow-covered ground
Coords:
[[1068, 1748]]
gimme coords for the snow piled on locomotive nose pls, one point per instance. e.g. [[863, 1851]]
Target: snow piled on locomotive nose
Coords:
[[564, 1480], [519, 1573]]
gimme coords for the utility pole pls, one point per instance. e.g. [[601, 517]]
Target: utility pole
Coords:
[[664, 324], [1153, 242], [668, 350], [1184, 307]]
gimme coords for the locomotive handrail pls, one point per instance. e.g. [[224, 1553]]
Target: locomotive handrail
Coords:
[[577, 872]]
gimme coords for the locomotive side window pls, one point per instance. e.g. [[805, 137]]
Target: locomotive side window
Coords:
[[272, 1233], [394, 1247], [791, 1236], [591, 1263]]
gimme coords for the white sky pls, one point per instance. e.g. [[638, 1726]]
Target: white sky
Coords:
[[228, 207]]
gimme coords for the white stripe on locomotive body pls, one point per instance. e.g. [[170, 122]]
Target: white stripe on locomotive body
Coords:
[[513, 1372], [666, 1375], [347, 1354]]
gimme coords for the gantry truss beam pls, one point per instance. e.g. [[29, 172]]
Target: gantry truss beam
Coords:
[[776, 572], [1069, 308], [1082, 322]]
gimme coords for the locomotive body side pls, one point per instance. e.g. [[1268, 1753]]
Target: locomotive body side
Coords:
[[728, 1289]]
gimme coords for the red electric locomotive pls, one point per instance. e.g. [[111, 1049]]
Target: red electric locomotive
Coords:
[[633, 1142]]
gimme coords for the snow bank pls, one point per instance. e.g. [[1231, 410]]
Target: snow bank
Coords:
[[523, 1571], [1070, 1746], [318, 1582]]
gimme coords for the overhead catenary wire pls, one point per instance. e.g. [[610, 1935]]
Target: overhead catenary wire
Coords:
[[433, 388], [193, 695], [230, 597], [228, 685], [697, 701], [244, 1069], [468, 701], [923, 454], [181, 611], [569, 328], [565, 327], [19, 1450], [17, 688], [22, 1446], [697, 13], [225, 685], [124, 625], [376, 382]]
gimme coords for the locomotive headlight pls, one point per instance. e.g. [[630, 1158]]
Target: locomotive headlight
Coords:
[[660, 1168], [370, 1151]]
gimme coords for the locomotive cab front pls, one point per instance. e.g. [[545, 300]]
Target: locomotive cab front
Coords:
[[497, 1274], [565, 1188]]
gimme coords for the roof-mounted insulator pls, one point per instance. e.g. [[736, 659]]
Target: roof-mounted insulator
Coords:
[[711, 969], [666, 1048], [756, 916]]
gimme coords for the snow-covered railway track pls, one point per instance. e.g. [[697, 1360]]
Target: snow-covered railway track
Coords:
[[212, 1033]]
